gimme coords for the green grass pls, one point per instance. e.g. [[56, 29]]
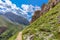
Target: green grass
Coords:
[[47, 27], [12, 29], [13, 37]]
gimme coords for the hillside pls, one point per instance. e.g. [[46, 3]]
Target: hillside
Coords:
[[44, 9], [8, 29], [47, 27]]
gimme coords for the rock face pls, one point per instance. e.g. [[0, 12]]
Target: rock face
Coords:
[[45, 8], [36, 15]]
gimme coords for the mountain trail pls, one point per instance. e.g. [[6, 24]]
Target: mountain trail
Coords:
[[19, 37]]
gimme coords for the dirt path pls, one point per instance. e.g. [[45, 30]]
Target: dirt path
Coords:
[[19, 37]]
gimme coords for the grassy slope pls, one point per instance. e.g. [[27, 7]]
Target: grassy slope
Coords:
[[46, 27], [14, 36], [12, 29]]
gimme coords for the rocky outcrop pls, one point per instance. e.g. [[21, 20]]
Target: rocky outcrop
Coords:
[[2, 29], [36, 15], [45, 8]]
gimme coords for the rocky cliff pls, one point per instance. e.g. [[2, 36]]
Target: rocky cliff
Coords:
[[45, 9]]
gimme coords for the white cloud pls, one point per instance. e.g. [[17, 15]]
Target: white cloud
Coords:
[[8, 2], [30, 8], [37, 8], [1, 1], [26, 9]]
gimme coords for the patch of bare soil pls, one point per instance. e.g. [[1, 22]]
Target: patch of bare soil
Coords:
[[19, 37]]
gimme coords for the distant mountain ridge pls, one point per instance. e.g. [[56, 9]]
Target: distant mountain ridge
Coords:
[[15, 18]]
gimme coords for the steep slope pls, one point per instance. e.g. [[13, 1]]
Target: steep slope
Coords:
[[8, 29], [47, 27], [17, 19]]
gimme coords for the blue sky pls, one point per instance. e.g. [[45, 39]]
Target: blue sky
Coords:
[[29, 2], [22, 7], [32, 2]]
